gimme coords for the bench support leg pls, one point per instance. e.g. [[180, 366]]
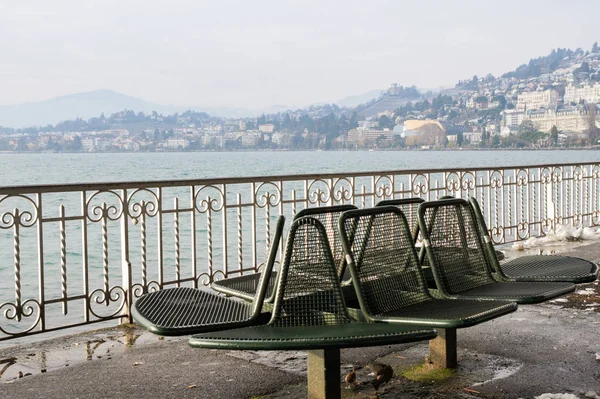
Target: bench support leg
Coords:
[[442, 350], [324, 374]]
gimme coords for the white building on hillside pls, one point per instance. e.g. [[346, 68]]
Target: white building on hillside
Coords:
[[266, 128], [590, 94], [176, 143], [512, 117], [537, 100], [569, 119]]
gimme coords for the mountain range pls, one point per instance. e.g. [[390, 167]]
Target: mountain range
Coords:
[[93, 103]]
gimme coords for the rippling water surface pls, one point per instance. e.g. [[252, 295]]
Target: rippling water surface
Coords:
[[27, 169]]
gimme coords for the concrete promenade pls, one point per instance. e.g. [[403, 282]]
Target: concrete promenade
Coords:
[[549, 348]]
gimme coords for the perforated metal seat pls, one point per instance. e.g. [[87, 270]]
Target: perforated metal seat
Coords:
[[186, 310], [454, 247], [389, 281], [535, 267], [245, 286]]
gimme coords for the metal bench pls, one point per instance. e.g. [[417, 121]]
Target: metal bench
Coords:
[[310, 314], [187, 310], [391, 286], [453, 244], [535, 267]]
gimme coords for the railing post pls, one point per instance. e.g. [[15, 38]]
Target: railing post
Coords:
[[41, 264], [126, 277]]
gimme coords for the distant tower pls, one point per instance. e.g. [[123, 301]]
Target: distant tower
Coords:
[[394, 90]]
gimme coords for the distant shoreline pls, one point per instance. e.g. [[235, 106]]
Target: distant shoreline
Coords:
[[595, 148]]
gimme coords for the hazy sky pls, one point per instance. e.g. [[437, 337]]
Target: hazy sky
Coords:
[[259, 53]]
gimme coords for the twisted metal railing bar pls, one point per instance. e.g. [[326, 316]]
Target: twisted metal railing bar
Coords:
[[81, 253]]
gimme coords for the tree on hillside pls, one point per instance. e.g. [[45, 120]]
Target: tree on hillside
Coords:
[[496, 141], [261, 120], [537, 66], [73, 145], [584, 68], [381, 141], [386, 122], [251, 124], [22, 145], [500, 100], [554, 134], [593, 133], [472, 84], [353, 121], [526, 127], [441, 100], [595, 47]]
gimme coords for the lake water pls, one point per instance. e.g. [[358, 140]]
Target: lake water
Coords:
[[33, 169]]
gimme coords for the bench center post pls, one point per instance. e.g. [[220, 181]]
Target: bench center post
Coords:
[[324, 374], [442, 350]]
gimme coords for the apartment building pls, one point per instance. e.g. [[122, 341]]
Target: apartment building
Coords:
[[363, 136], [176, 143], [266, 128], [568, 119], [537, 99], [587, 93], [512, 117]]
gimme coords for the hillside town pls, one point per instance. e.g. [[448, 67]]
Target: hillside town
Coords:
[[550, 102]]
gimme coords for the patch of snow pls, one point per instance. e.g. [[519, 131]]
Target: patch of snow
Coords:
[[519, 246], [503, 372], [556, 396], [589, 234], [562, 300], [587, 291], [562, 234]]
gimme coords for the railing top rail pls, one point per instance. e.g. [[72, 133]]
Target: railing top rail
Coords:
[[50, 188]]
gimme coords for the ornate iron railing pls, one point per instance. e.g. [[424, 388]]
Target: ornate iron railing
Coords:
[[79, 254]]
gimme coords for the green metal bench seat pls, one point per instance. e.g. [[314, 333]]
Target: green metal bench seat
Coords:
[[310, 313], [338, 336], [535, 267], [246, 286], [460, 265], [550, 268], [448, 313], [520, 292], [390, 284], [186, 310]]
